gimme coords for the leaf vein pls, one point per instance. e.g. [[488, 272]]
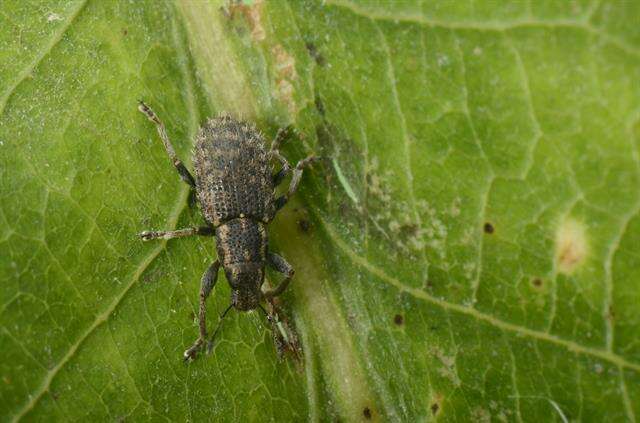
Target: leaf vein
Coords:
[[172, 220], [514, 381], [489, 25], [625, 397], [478, 315], [537, 130], [491, 178], [102, 317], [608, 280], [405, 137]]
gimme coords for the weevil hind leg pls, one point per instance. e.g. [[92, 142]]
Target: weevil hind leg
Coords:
[[177, 163], [208, 281], [285, 338], [192, 201]]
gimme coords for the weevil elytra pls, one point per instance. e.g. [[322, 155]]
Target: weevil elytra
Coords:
[[236, 191]]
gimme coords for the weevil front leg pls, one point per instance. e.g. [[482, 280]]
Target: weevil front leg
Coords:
[[180, 233], [280, 264], [295, 180], [209, 280], [284, 170], [177, 163]]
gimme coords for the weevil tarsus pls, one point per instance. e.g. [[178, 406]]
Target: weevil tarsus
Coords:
[[281, 265], [209, 279]]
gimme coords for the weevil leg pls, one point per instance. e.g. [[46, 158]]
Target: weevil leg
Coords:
[[209, 280], [295, 180], [177, 163], [215, 332], [284, 171], [284, 337], [180, 233], [274, 153], [281, 135], [279, 339], [280, 264]]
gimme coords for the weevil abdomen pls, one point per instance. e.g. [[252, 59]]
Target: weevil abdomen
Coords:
[[233, 176]]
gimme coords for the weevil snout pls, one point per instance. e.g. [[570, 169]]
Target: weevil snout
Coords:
[[245, 280], [244, 300]]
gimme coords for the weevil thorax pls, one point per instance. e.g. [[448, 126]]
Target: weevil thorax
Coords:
[[242, 250]]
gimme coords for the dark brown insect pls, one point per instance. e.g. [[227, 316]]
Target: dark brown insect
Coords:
[[236, 189]]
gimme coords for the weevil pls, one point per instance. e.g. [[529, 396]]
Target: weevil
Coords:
[[235, 188]]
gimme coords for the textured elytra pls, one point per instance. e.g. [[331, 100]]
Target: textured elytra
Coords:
[[233, 177]]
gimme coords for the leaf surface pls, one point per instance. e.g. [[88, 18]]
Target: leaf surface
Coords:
[[467, 251]]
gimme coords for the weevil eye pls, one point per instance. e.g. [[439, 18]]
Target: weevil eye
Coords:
[[245, 275], [245, 280]]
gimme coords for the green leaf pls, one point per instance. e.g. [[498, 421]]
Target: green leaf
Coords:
[[467, 251]]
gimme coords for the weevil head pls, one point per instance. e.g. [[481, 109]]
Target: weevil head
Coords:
[[245, 280]]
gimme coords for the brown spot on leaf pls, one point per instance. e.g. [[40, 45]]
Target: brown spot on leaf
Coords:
[[319, 105], [315, 54], [488, 228], [252, 13], [537, 282], [398, 319], [409, 229], [304, 225], [436, 403], [285, 66], [435, 407], [366, 413]]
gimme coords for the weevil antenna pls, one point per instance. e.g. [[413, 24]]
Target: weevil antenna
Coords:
[[268, 316], [215, 332]]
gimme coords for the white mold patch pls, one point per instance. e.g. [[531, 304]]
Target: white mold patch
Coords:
[[52, 17], [571, 246]]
